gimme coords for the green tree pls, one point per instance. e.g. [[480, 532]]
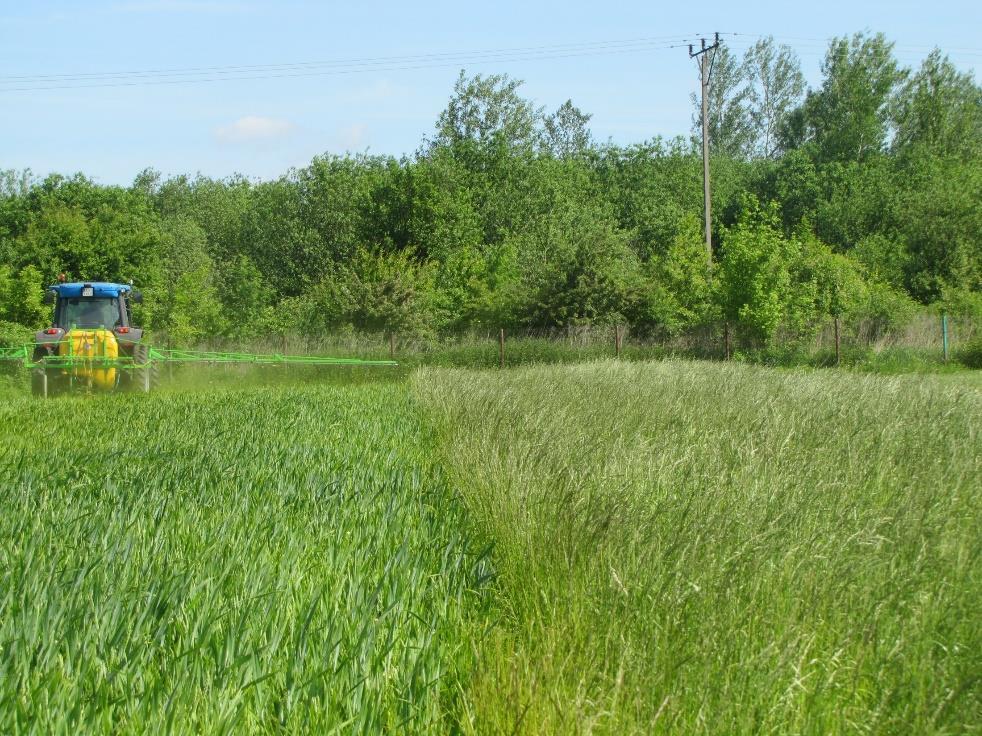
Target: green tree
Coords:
[[754, 280], [652, 188], [677, 294], [184, 298], [566, 132], [776, 86], [23, 297], [885, 259], [244, 296], [378, 291], [576, 266], [847, 118], [487, 112], [940, 109], [940, 223], [731, 125], [195, 313], [829, 284]]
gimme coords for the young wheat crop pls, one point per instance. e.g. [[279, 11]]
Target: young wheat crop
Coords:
[[283, 560]]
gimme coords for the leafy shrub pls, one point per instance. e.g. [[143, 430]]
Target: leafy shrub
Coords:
[[14, 335], [970, 354]]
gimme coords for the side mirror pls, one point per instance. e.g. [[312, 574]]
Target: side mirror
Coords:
[[136, 297], [49, 297]]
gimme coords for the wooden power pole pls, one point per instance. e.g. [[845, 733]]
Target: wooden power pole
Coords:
[[705, 72]]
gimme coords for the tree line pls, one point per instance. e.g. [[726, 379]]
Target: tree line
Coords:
[[858, 198]]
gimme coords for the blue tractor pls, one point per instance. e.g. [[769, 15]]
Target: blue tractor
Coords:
[[91, 341]]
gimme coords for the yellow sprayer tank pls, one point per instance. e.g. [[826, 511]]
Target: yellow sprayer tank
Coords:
[[94, 345]]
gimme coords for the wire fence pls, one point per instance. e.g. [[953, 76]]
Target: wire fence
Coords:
[[929, 342], [927, 339]]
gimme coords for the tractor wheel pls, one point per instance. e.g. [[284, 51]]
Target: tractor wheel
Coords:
[[44, 382], [145, 372], [40, 386]]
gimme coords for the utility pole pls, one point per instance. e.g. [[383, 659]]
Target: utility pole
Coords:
[[705, 72]]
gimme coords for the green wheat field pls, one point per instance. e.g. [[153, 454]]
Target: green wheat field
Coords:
[[601, 548]]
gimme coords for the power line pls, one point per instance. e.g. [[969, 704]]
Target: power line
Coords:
[[252, 72], [326, 68], [333, 62]]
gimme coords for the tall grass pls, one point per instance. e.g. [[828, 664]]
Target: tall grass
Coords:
[[676, 548], [865, 346], [279, 560], [710, 548]]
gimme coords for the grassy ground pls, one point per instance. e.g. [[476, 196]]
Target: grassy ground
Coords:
[[674, 547], [706, 548], [280, 560]]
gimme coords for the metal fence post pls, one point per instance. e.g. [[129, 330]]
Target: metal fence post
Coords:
[[944, 335], [501, 347], [838, 354]]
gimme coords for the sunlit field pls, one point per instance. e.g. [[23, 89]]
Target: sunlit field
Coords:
[[282, 560], [700, 548], [606, 547]]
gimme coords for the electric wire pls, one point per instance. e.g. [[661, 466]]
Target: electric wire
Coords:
[[585, 45], [737, 41], [327, 68]]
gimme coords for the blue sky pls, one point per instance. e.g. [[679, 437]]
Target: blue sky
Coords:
[[260, 127]]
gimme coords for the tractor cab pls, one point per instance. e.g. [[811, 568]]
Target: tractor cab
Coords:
[[91, 306]]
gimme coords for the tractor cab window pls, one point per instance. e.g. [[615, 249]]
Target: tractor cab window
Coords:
[[89, 312]]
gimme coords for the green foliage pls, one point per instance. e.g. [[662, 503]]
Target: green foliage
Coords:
[[887, 307], [574, 264], [6, 307], [21, 298], [378, 291], [970, 354], [731, 124], [581, 272], [941, 223], [962, 303], [698, 548], [465, 289], [677, 283], [565, 132], [509, 217], [754, 275], [834, 280], [195, 311], [847, 118], [796, 184], [184, 301], [885, 259], [939, 109], [14, 334], [775, 87], [244, 296], [485, 113]]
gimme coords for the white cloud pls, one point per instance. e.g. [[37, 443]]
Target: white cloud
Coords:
[[353, 137], [254, 128], [378, 91]]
